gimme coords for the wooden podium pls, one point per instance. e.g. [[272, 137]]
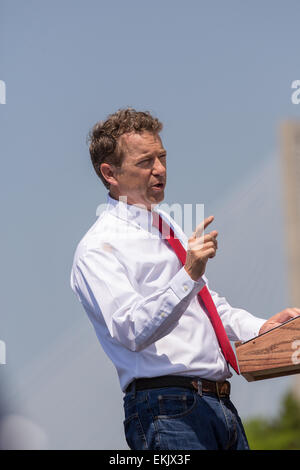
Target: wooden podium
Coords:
[[273, 354]]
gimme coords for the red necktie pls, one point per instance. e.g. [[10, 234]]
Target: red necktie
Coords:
[[204, 294]]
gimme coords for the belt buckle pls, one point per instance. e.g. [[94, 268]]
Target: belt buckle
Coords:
[[197, 384], [199, 387]]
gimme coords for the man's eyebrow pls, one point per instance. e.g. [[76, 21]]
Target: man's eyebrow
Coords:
[[145, 155]]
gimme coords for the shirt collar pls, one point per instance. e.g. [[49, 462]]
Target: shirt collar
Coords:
[[141, 218], [131, 213]]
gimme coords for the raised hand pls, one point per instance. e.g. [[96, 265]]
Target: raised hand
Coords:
[[200, 248]]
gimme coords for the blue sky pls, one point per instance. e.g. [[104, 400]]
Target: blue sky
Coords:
[[218, 74]]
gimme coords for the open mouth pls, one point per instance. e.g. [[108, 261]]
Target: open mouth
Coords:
[[158, 186]]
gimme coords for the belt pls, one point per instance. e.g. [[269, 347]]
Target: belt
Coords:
[[221, 389]]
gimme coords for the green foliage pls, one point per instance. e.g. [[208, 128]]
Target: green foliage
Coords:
[[280, 433]]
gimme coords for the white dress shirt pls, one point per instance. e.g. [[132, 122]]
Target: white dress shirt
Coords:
[[143, 304]]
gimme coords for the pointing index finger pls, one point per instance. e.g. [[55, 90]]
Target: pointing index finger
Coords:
[[202, 226]]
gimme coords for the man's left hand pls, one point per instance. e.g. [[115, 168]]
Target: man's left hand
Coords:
[[279, 318]]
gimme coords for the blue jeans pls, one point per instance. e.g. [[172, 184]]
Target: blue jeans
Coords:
[[177, 418]]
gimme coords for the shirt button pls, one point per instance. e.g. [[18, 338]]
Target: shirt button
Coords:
[[162, 315], [185, 287]]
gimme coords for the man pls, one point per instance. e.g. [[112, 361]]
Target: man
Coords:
[[148, 299]]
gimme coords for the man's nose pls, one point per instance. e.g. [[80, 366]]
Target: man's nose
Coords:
[[158, 168]]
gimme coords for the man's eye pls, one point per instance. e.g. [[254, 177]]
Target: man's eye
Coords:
[[148, 161]]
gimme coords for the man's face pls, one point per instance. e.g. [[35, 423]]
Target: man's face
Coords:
[[142, 176]]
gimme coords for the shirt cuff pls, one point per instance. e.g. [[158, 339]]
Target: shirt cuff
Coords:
[[252, 326], [184, 286]]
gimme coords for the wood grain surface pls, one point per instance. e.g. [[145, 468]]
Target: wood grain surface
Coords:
[[272, 354]]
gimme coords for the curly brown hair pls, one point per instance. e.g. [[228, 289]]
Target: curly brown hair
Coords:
[[104, 142]]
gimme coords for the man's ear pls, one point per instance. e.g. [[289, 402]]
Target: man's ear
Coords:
[[108, 172]]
